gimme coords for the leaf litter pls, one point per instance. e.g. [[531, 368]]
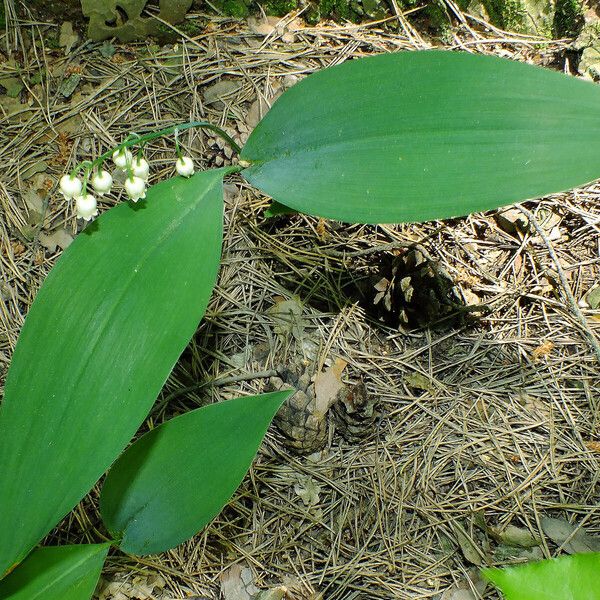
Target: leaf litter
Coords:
[[499, 431]]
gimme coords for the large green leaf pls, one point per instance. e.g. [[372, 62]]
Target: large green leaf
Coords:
[[100, 339], [176, 478], [425, 135], [575, 577], [56, 573]]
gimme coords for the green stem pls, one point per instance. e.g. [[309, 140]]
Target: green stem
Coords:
[[141, 139]]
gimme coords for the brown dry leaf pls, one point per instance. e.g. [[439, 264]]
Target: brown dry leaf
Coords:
[[593, 446], [60, 238], [327, 385], [122, 587], [542, 350], [264, 26], [512, 220], [17, 248], [259, 108], [237, 583], [322, 230]]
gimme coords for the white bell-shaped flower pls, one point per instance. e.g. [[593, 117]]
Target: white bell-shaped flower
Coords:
[[70, 186], [102, 182], [135, 187], [140, 168], [185, 166], [122, 157], [85, 204]]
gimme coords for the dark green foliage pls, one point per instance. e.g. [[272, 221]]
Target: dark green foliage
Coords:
[[568, 18], [280, 7]]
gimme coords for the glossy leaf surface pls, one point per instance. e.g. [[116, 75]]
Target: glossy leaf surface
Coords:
[[425, 135], [575, 577], [99, 341], [56, 573], [176, 478]]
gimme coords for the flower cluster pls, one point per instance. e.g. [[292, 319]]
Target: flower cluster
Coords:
[[136, 168]]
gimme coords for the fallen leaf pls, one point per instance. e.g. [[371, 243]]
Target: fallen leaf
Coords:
[[38, 167], [237, 583], [468, 547], [512, 220], [287, 317], [259, 108], [68, 85], [121, 586], [418, 381], [308, 491], [593, 446], [560, 530], [67, 38], [514, 536], [503, 552], [542, 350], [263, 26], [215, 93], [13, 86], [60, 238], [107, 50], [591, 299], [327, 385], [15, 109], [533, 405], [322, 230], [278, 593]]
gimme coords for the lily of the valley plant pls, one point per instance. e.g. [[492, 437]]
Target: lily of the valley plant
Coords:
[[423, 135]]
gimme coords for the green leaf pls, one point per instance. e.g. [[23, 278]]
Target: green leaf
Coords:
[[276, 209], [425, 135], [176, 478], [56, 573], [575, 577], [100, 340]]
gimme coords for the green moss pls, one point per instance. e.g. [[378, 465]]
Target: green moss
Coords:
[[239, 9], [190, 27], [568, 18], [438, 20], [279, 8], [510, 14]]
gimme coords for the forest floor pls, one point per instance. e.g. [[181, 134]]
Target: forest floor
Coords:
[[488, 421]]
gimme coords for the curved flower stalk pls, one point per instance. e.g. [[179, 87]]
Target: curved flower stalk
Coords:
[[136, 168]]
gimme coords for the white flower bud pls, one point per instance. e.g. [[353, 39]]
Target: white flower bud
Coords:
[[135, 187], [102, 182], [86, 206], [70, 186], [122, 158], [185, 166], [140, 168]]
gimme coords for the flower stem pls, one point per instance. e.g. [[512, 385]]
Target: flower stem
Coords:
[[141, 139]]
